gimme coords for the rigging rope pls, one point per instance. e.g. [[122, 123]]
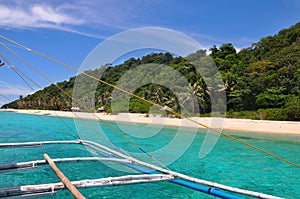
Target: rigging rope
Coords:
[[74, 99], [150, 102], [20, 73], [5, 97], [15, 70]]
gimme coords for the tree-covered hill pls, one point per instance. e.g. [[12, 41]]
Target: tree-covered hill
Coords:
[[265, 75], [262, 81]]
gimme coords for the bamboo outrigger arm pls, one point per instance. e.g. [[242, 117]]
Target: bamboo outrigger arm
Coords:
[[53, 187], [33, 164]]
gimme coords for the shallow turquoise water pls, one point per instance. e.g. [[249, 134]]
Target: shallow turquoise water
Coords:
[[229, 162]]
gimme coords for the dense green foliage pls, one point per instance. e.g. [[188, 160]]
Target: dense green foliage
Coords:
[[261, 82], [263, 76]]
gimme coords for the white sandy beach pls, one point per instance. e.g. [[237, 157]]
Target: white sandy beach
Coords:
[[259, 126]]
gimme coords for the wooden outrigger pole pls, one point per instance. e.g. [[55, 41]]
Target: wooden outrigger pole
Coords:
[[153, 173], [63, 178]]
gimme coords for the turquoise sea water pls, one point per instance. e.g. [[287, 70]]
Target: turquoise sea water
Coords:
[[228, 163]]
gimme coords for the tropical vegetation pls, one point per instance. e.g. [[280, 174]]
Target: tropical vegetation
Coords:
[[261, 82]]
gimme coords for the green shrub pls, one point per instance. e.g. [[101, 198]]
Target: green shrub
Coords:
[[138, 106], [243, 115], [292, 108], [272, 114]]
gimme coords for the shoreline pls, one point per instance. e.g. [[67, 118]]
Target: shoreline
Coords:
[[244, 125]]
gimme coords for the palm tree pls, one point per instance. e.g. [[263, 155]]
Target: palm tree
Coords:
[[200, 91], [197, 93]]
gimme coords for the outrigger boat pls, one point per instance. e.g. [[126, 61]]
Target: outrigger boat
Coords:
[[150, 173]]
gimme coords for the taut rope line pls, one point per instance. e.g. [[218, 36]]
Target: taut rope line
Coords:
[[20, 73], [70, 96], [150, 102]]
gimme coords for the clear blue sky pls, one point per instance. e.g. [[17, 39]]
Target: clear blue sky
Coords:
[[69, 30]]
